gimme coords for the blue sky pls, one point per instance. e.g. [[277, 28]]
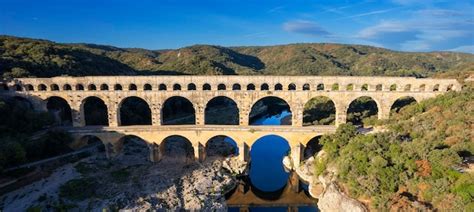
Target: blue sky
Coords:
[[407, 25]]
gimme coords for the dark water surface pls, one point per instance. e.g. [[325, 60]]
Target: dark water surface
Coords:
[[267, 173]]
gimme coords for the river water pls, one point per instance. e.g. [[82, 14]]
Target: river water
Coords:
[[267, 173]]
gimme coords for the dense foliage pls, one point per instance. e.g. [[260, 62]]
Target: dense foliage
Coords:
[[21, 57], [419, 156], [19, 142]]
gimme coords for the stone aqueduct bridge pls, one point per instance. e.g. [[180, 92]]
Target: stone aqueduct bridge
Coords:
[[199, 90]]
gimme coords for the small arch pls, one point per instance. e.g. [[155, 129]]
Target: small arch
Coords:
[[379, 87], [18, 87], [79, 87], [91, 87], [291, 87], [450, 87], [335, 87], [41, 87], [29, 87], [407, 87], [250, 87], [221, 146], [67, 87], [365, 87], [134, 150], [350, 87], [221, 110], [236, 87], [60, 110], [176, 87], [177, 149], [278, 87], [306, 87], [134, 111], [132, 87], [191, 87], [88, 141], [320, 87], [206, 87], [264, 87], [360, 109], [178, 110], [277, 112], [422, 87], [393, 87], [117, 87], [401, 103], [436, 87], [104, 87], [147, 87], [54, 87], [312, 147], [221, 87], [319, 110], [95, 111], [162, 87]]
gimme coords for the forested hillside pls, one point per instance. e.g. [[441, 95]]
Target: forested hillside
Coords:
[[21, 57]]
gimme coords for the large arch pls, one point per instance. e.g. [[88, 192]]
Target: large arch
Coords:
[[134, 111], [178, 110], [319, 110], [312, 147], [221, 146], [89, 141], [134, 150], [95, 111], [177, 148], [266, 170], [61, 111], [400, 103], [274, 110], [361, 108], [221, 110]]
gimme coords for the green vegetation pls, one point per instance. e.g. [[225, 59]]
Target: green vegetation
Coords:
[[78, 189], [319, 111], [20, 57], [419, 156]]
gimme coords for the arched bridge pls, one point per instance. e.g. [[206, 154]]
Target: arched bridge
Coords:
[[244, 91]]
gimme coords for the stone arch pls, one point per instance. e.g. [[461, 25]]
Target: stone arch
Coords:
[[306, 87], [134, 150], [176, 87], [206, 87], [422, 87], [407, 87], [319, 110], [320, 87], [118, 87], [274, 106], [132, 87], [350, 87], [393, 87], [54, 87], [364, 87], [278, 87], [67, 87], [264, 87], [104, 87], [221, 110], [436, 87], [29, 87], [335, 87], [79, 87], [147, 87], [312, 147], [162, 87], [134, 111], [221, 145], [236, 87], [177, 147], [221, 87], [95, 111], [178, 110], [18, 87], [291, 87], [41, 87], [191, 87], [91, 140], [379, 87], [360, 108], [91, 87], [251, 87], [60, 109], [400, 103], [450, 87]]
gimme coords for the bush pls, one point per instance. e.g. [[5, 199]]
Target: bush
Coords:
[[78, 189]]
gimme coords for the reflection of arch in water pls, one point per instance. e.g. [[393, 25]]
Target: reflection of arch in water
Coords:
[[274, 105]]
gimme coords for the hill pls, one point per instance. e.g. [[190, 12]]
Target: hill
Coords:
[[21, 57]]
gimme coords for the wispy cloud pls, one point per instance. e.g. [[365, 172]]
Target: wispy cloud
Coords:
[[305, 27], [275, 9], [371, 13]]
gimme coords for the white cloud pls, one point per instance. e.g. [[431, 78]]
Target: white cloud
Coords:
[[305, 27], [466, 49]]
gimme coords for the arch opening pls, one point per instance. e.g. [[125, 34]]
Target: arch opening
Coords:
[[59, 110], [104, 87], [132, 87], [134, 111], [117, 87], [319, 110], [54, 87], [250, 87], [312, 147], [95, 112], [206, 87], [134, 150], [236, 87], [178, 110], [221, 110], [67, 87], [264, 87], [147, 87], [29, 87], [401, 103], [320, 87], [270, 111], [89, 141], [221, 87], [221, 146], [162, 87], [79, 87], [291, 87], [177, 148], [335, 87], [176, 87], [360, 109], [41, 87], [191, 87]]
